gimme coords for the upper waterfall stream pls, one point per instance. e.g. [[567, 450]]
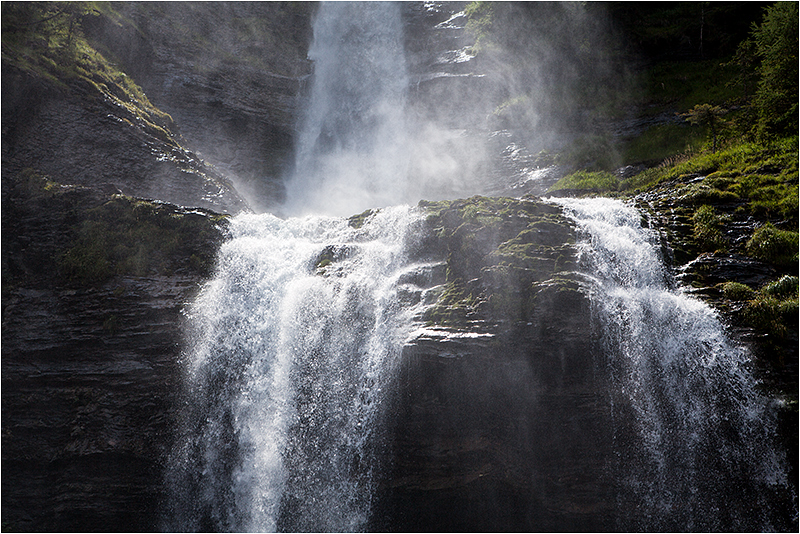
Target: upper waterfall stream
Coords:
[[352, 151]]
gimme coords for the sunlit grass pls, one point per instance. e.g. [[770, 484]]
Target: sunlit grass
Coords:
[[662, 141]]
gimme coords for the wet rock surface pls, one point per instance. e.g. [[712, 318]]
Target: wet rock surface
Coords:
[[498, 405], [230, 75], [82, 137], [89, 369]]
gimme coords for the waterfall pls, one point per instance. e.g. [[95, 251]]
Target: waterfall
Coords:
[[294, 343], [294, 346], [352, 152], [695, 440]]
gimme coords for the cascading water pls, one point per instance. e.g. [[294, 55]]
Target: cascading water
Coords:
[[295, 345], [295, 340], [694, 438]]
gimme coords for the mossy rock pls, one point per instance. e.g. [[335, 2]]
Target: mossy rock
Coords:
[[329, 256], [128, 236], [357, 221], [495, 250]]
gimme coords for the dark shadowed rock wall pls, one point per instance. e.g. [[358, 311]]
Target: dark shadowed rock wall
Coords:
[[499, 408], [89, 367], [229, 73]]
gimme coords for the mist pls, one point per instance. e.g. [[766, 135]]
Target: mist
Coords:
[[447, 102]]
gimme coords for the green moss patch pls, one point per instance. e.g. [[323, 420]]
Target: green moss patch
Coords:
[[126, 236], [773, 310], [46, 39], [737, 291], [496, 249], [587, 182]]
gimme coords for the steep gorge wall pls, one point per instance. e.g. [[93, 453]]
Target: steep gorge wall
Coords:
[[498, 417], [90, 368], [100, 256], [93, 290], [229, 74]]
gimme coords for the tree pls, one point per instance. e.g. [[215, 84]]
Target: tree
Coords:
[[745, 62], [776, 98], [706, 115]]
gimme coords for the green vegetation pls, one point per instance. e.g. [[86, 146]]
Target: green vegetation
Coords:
[[776, 97], [775, 246], [708, 116], [455, 305], [737, 291], [47, 40], [707, 225], [663, 141], [772, 310], [586, 181], [126, 236], [357, 221]]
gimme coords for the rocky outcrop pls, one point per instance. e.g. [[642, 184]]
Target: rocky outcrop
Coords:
[[95, 275], [499, 409], [90, 350], [230, 75], [85, 136]]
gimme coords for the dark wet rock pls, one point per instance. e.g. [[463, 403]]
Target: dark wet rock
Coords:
[[84, 138], [89, 367], [89, 378], [230, 74], [497, 396], [713, 268]]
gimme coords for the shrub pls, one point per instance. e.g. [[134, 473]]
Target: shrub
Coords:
[[772, 315], [784, 288], [706, 228], [737, 291], [772, 245], [708, 116]]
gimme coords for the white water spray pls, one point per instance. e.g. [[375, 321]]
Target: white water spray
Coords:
[[294, 344], [702, 452]]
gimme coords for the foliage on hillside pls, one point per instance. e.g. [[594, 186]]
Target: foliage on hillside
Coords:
[[776, 42], [46, 39], [723, 173]]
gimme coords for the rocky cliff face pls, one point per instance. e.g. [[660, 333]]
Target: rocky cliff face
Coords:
[[497, 425], [81, 136], [229, 75], [99, 253], [91, 340], [94, 284]]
